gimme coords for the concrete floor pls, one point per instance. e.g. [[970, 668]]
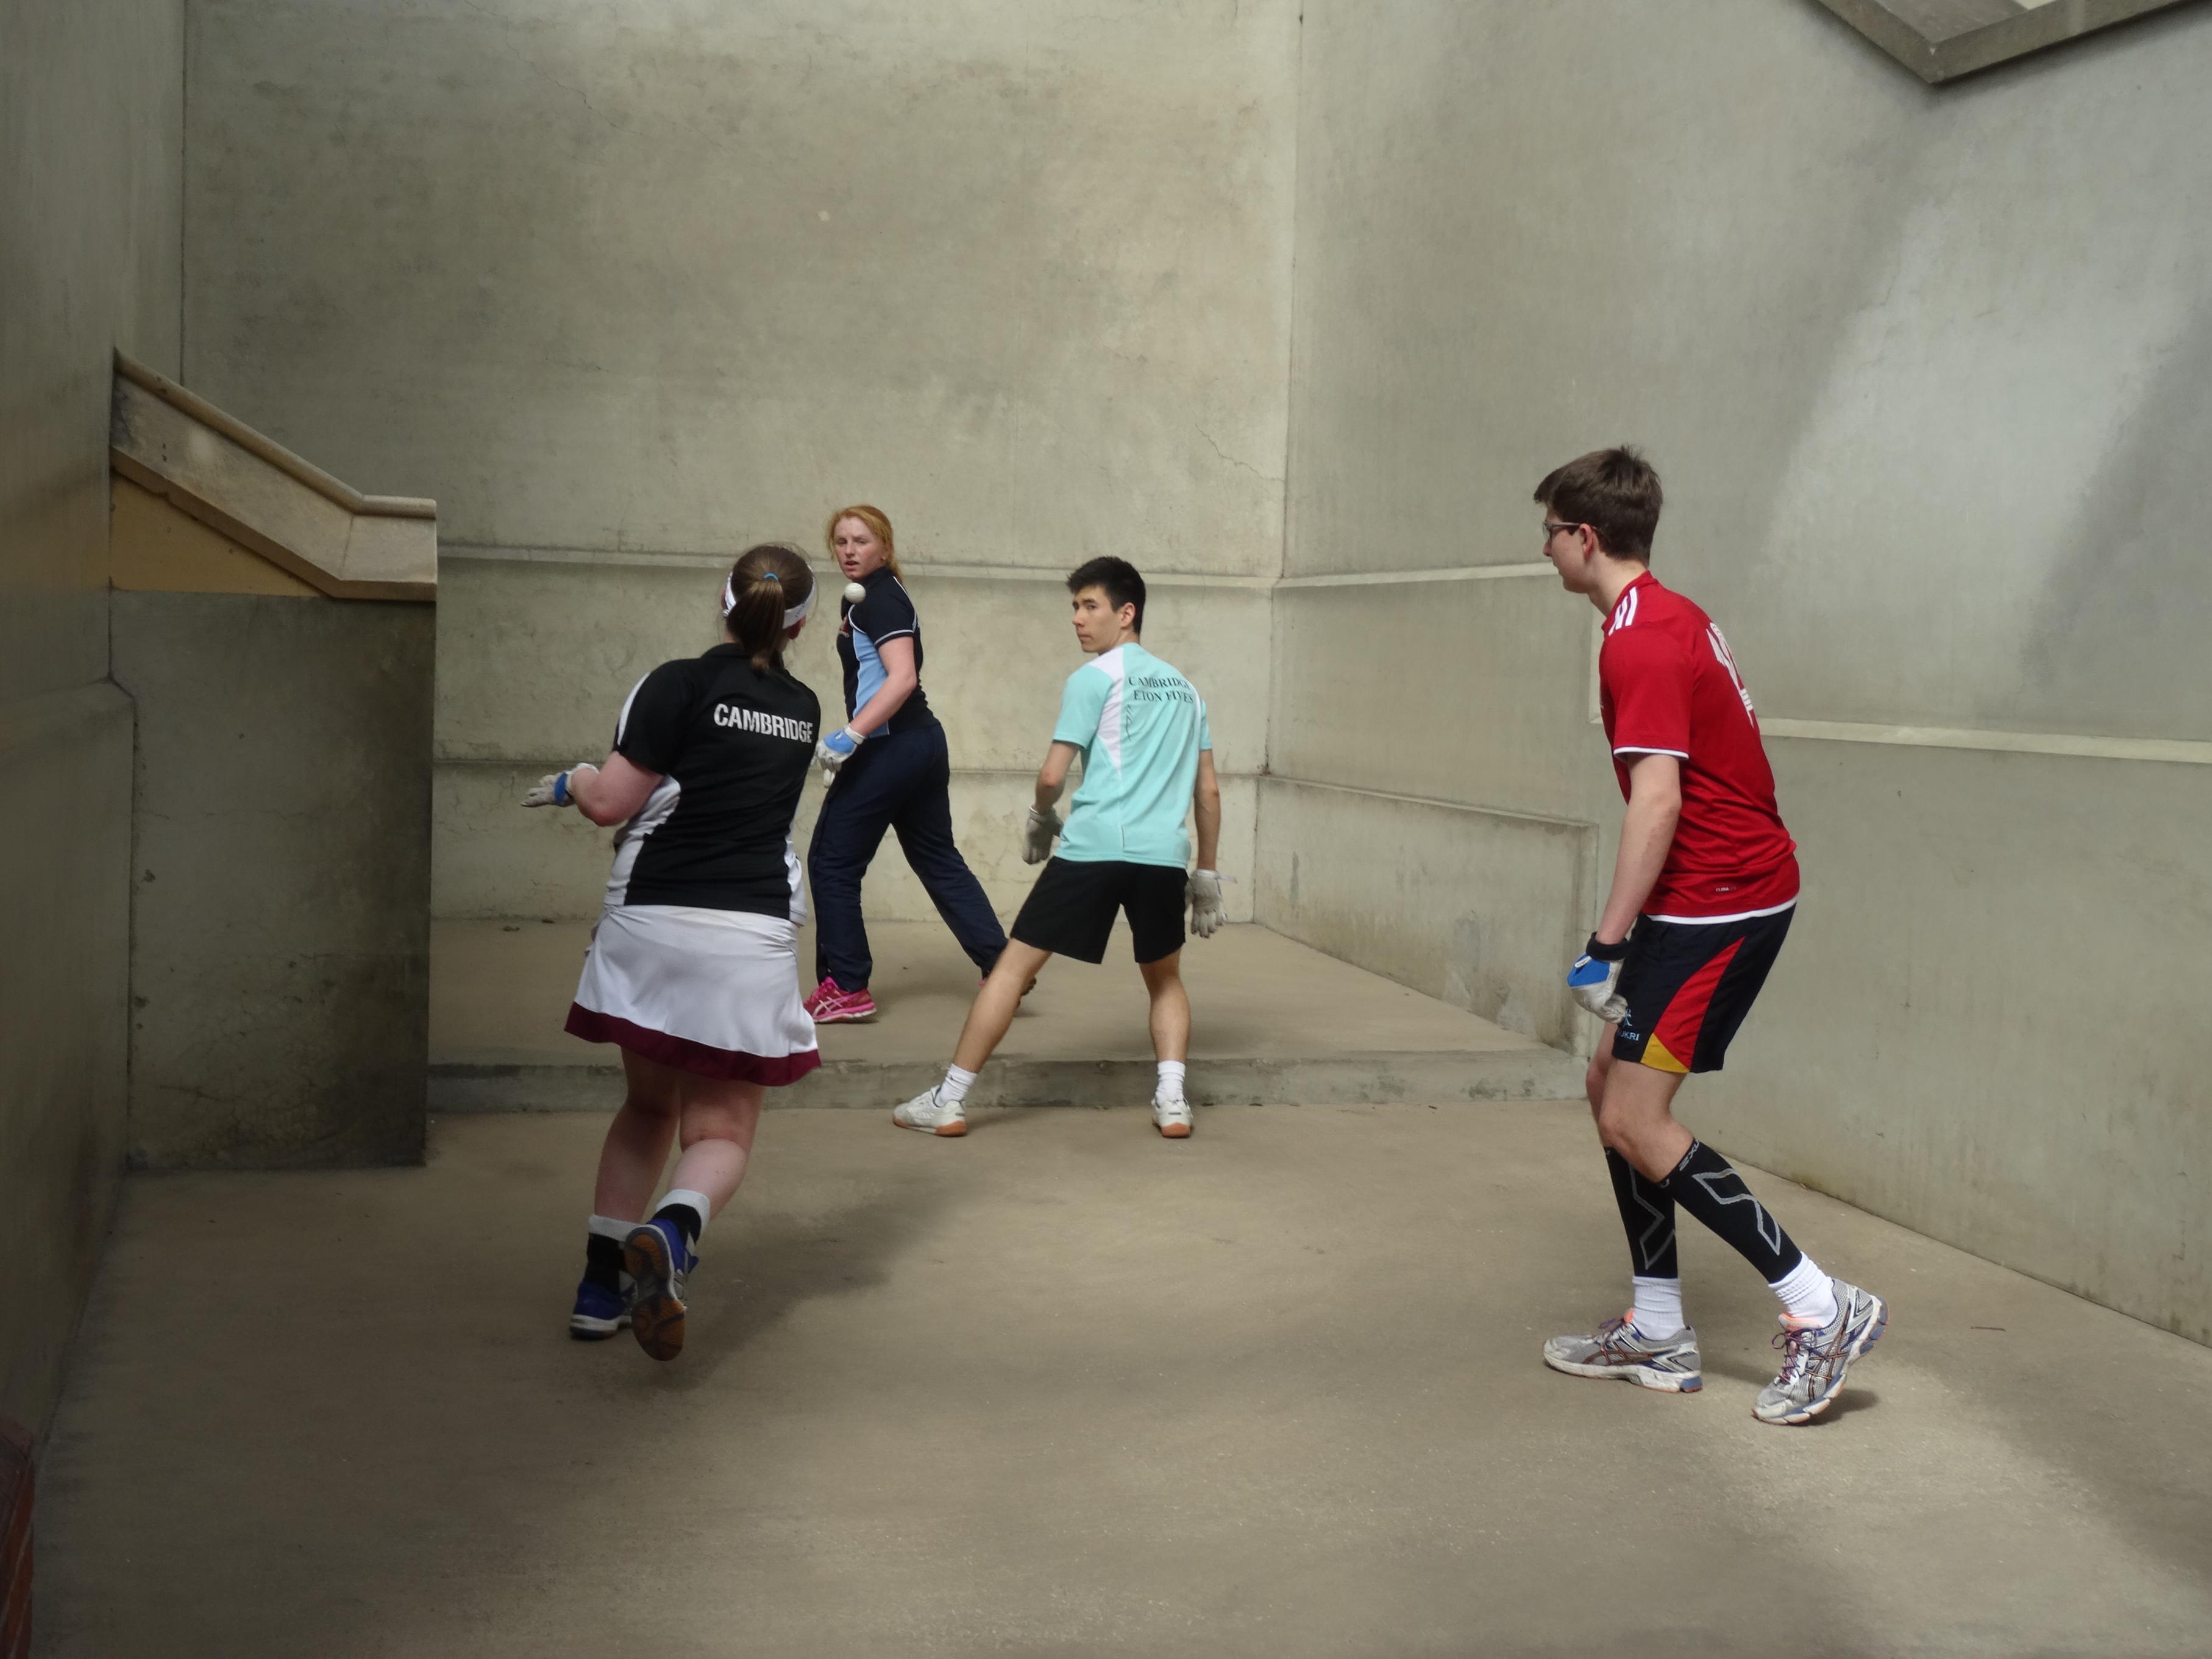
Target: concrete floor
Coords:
[[1062, 1388]]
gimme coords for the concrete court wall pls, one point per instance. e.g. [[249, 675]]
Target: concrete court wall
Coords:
[[280, 934], [277, 631], [627, 286], [1926, 374], [535, 658], [91, 155]]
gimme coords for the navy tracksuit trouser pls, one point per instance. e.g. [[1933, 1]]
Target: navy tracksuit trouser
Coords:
[[897, 781]]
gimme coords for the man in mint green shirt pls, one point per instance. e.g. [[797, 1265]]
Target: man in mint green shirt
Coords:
[[1147, 764]]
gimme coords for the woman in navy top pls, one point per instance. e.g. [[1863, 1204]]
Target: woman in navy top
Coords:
[[890, 769]]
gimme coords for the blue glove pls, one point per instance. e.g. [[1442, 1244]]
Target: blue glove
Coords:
[[834, 750], [1595, 977]]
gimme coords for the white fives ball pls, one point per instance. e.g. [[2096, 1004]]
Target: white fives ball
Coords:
[[855, 593]]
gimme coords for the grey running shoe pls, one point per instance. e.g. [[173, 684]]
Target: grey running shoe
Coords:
[[658, 1259], [1815, 1358], [931, 1114], [1618, 1349]]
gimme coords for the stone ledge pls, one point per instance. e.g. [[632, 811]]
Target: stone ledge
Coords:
[[1277, 1022], [1940, 40], [1359, 1079], [270, 501]]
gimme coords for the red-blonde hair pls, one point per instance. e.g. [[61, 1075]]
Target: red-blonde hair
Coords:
[[878, 527]]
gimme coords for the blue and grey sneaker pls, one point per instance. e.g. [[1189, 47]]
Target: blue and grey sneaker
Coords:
[[1618, 1349], [1815, 1358], [599, 1312], [657, 1259]]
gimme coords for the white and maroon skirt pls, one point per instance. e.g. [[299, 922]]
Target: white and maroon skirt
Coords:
[[712, 992]]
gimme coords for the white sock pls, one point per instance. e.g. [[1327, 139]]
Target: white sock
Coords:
[[1809, 1296], [956, 1084], [696, 1200], [607, 1226], [1172, 1076], [1658, 1310]]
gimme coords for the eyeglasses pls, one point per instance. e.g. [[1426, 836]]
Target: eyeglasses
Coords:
[[1553, 528]]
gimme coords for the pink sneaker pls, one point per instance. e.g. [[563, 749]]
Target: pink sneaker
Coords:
[[831, 1002]]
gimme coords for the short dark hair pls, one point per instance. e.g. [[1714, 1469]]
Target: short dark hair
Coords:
[[1118, 578], [1615, 491]]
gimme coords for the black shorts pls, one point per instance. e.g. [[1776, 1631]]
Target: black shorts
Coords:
[[1069, 911], [1688, 986]]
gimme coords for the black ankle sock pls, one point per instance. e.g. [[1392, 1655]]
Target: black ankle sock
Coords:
[[1646, 1213], [1706, 1185], [603, 1261], [688, 1222]]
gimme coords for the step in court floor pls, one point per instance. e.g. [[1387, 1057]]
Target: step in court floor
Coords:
[[1272, 1021]]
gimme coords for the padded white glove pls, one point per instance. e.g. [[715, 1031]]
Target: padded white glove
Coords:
[[834, 750], [552, 789], [1206, 912], [1038, 835], [1595, 977]]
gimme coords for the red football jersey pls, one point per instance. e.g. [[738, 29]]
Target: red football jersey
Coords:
[[1668, 686]]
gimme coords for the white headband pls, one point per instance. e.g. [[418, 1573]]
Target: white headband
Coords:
[[793, 614]]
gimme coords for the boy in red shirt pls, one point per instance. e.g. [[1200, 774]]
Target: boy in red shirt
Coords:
[[1703, 891]]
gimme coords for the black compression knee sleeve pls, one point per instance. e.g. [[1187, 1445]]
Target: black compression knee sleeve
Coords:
[[1706, 1185], [1647, 1211]]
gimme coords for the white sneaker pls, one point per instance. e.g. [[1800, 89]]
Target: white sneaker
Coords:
[[1813, 1360], [1618, 1349], [1171, 1117], [933, 1116]]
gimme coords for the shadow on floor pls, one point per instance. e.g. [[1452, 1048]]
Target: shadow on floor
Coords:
[[773, 1262]]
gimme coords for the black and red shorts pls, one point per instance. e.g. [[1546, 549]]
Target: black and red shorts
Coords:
[[1689, 984]]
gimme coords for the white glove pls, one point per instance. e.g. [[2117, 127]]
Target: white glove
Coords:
[[1595, 977], [834, 750], [1206, 914], [552, 789], [1038, 835]]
